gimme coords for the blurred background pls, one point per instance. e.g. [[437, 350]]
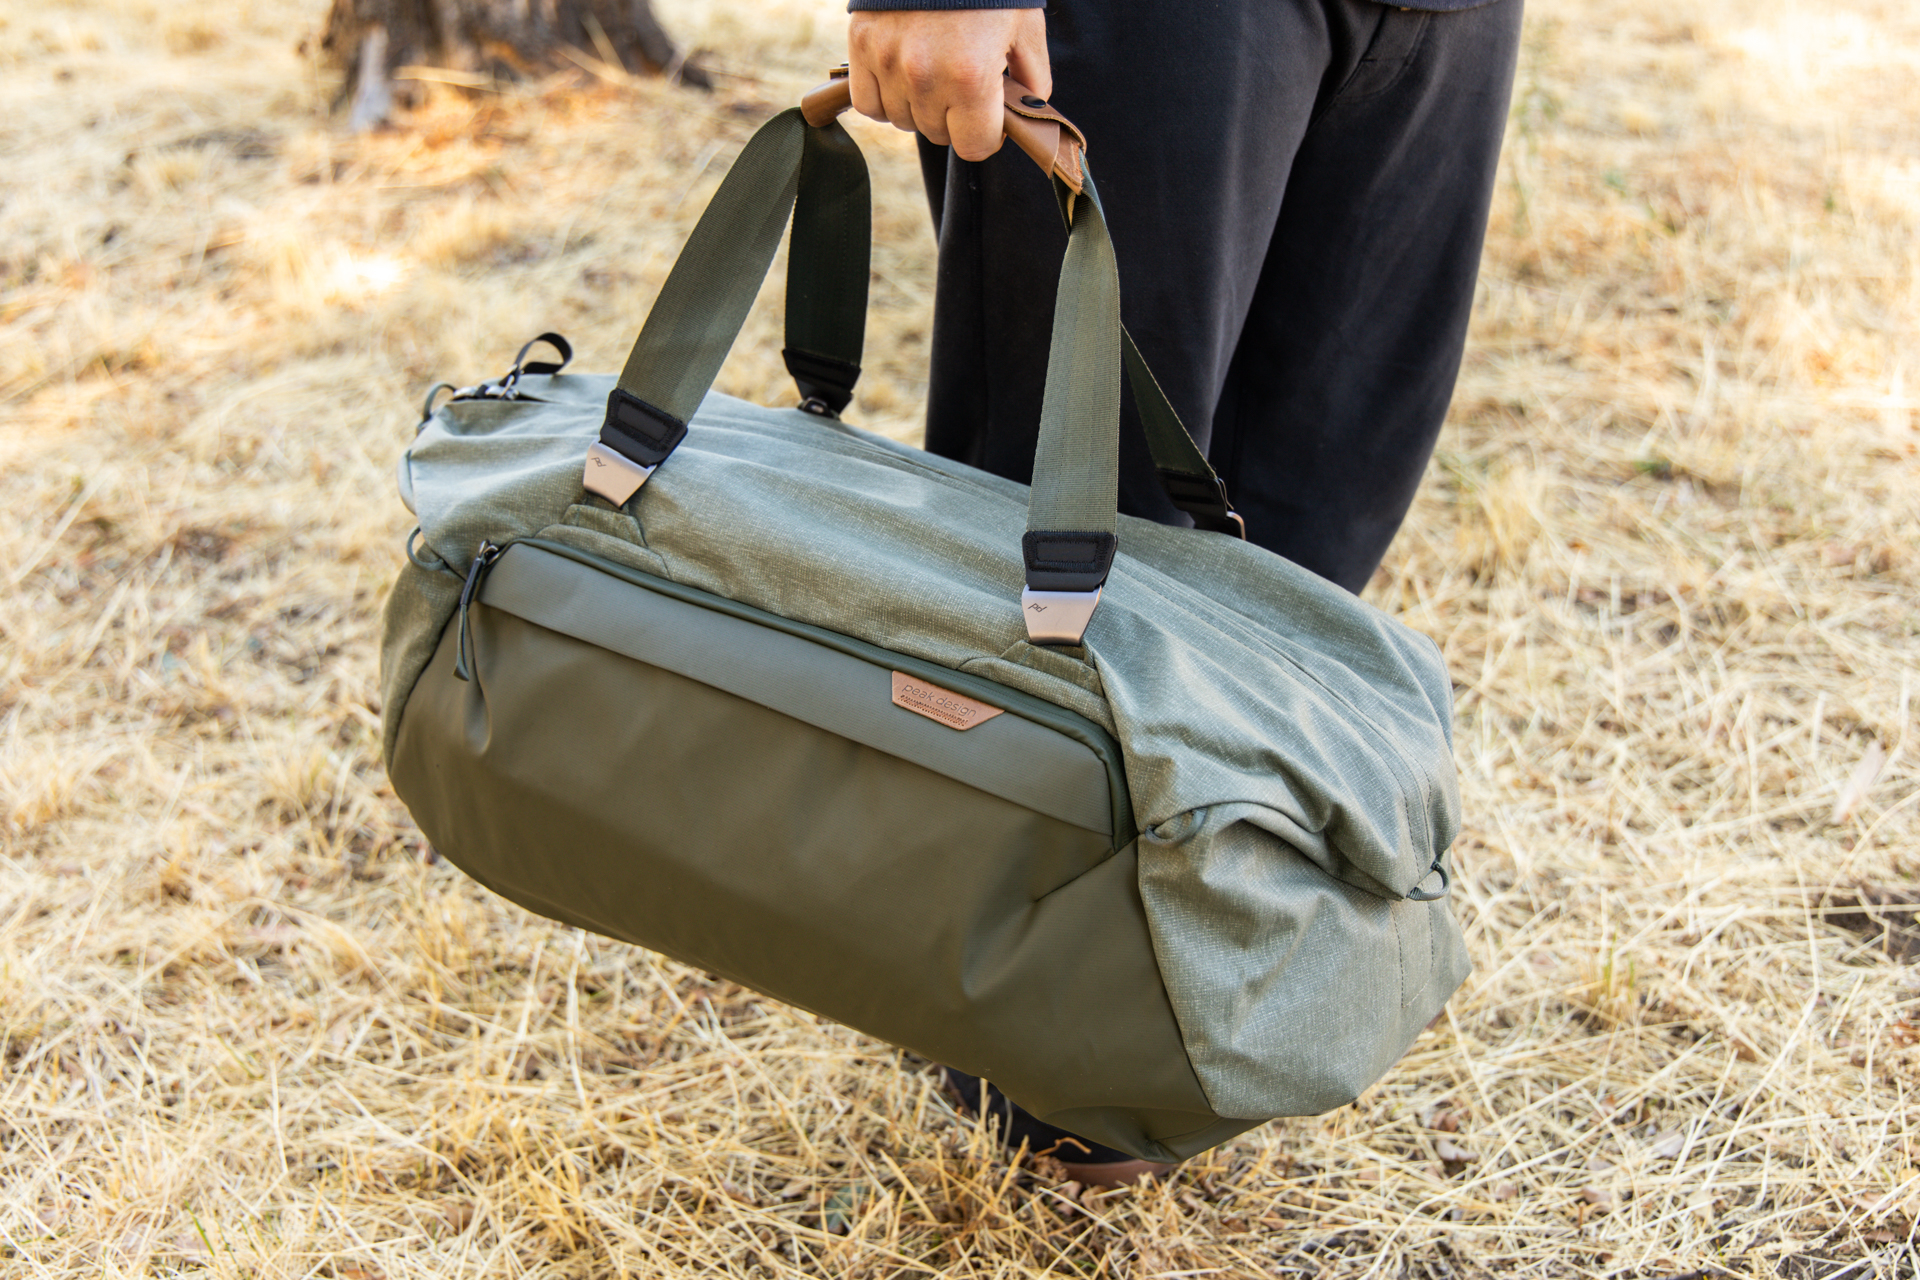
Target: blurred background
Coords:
[[250, 1026]]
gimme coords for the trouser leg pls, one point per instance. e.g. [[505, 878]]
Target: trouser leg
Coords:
[[1211, 130], [1349, 353]]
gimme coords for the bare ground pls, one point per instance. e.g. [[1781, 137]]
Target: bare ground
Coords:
[[249, 1028]]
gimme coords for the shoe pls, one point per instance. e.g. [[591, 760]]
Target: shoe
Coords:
[[1086, 1162]]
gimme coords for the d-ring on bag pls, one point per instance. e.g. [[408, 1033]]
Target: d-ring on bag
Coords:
[[1145, 824]]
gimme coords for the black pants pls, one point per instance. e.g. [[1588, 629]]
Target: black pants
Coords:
[[1298, 193]]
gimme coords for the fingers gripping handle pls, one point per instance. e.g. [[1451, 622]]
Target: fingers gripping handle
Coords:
[[1030, 123]]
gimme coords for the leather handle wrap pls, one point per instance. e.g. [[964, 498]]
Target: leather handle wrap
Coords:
[[1031, 124]]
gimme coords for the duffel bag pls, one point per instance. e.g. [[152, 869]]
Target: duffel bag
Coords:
[[1144, 824]]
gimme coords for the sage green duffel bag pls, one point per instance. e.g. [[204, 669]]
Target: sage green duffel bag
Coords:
[[1145, 824]]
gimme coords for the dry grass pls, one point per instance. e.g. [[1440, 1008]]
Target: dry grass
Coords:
[[247, 1028]]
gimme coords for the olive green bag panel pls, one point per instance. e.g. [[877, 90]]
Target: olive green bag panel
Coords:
[[990, 923]]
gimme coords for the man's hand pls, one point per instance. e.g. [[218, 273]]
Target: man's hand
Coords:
[[938, 70]]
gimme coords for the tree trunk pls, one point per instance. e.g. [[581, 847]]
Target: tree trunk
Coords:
[[475, 41]]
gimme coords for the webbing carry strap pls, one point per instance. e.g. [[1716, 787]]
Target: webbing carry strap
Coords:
[[826, 301], [837, 267], [1073, 507], [1186, 475], [1072, 514], [711, 288]]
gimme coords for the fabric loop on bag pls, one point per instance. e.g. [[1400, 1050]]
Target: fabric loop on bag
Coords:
[[433, 393], [545, 367], [1419, 894], [431, 561]]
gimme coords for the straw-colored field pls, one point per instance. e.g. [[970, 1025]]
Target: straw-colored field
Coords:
[[249, 1029]]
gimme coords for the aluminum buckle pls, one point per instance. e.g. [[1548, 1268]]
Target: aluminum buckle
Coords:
[[613, 475], [1058, 617]]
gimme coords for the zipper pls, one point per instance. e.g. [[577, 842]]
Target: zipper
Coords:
[[507, 388], [1027, 706], [482, 561]]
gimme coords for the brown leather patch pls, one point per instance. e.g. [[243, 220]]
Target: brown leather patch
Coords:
[[935, 703]]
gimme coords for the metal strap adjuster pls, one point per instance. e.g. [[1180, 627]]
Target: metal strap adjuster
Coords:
[[635, 439], [1058, 617], [1066, 572], [613, 475]]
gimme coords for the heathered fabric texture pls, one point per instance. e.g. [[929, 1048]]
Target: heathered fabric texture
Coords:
[[1288, 748]]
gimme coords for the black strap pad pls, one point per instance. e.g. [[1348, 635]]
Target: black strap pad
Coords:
[[1205, 499], [1067, 561], [822, 378], [640, 431]]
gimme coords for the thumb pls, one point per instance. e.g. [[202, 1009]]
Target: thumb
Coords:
[[1027, 58]]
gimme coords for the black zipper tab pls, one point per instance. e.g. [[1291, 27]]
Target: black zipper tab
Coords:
[[482, 561]]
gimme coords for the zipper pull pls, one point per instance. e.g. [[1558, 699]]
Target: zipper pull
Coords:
[[482, 561]]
